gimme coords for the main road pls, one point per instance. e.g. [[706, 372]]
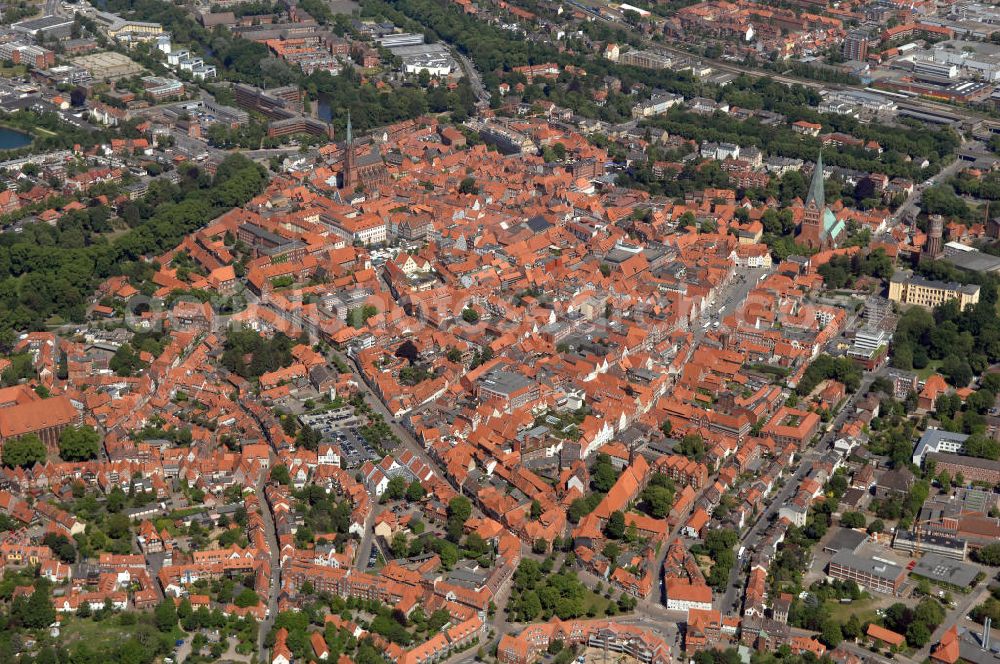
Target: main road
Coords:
[[911, 206]]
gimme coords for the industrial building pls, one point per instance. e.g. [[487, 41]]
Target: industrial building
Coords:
[[44, 27], [947, 571], [969, 259], [927, 543], [436, 59], [867, 571]]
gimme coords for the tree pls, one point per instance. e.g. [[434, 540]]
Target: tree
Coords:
[[396, 488], [530, 605], [990, 382], [692, 446], [946, 407], [988, 555], [459, 511], [35, 611], [468, 186], [246, 597], [61, 546], [659, 500], [279, 474], [852, 520], [166, 615], [603, 475], [415, 492], [917, 634], [978, 445], [79, 443], [126, 361], [876, 527], [536, 510], [475, 544], [852, 629], [615, 527], [831, 634], [470, 315], [23, 452], [118, 526], [981, 401], [956, 370]]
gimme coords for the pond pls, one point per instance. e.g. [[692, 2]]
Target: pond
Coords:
[[323, 111], [11, 139]]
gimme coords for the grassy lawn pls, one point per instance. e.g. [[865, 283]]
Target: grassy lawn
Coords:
[[596, 602], [13, 70], [931, 367], [864, 609], [107, 632]]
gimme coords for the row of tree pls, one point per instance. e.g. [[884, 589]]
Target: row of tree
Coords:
[[38, 281]]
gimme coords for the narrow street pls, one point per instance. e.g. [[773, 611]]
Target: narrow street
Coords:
[[406, 439], [272, 542], [364, 550], [751, 540]]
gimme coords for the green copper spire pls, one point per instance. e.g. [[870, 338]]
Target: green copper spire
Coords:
[[816, 192]]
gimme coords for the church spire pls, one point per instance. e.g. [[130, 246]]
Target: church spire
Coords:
[[817, 194], [350, 136]]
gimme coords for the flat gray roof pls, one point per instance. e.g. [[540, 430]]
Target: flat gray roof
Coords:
[[845, 539], [972, 261], [877, 568], [505, 382], [946, 570], [42, 22]]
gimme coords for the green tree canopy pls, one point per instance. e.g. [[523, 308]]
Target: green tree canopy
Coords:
[[24, 451], [79, 443]]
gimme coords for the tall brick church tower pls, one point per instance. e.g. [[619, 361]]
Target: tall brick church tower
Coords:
[[812, 231], [349, 177]]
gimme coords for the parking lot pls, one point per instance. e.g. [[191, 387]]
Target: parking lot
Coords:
[[340, 427], [354, 450]]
